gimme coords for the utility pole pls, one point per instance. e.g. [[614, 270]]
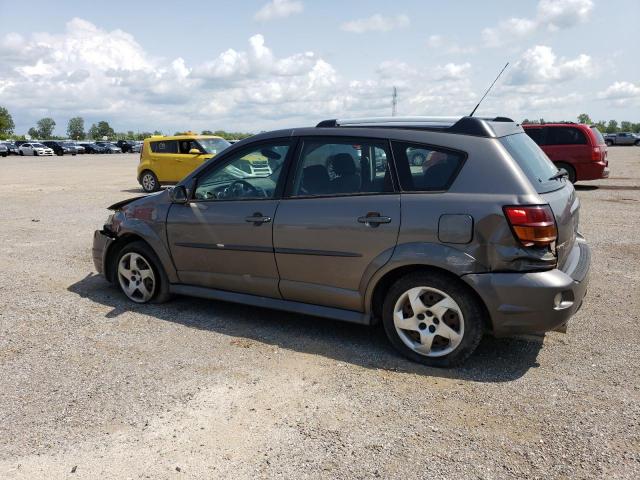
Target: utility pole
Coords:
[[394, 102]]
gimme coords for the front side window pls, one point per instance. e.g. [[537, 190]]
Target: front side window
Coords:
[[164, 146], [252, 173], [423, 168], [342, 167]]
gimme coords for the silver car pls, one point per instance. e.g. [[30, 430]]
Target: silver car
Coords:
[[481, 237]]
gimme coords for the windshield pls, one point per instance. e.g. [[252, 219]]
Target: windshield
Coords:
[[533, 161], [213, 145], [38, 145]]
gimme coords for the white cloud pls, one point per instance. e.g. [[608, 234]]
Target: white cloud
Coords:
[[557, 14], [551, 15], [102, 74], [376, 23], [278, 9], [447, 46], [540, 65], [620, 90]]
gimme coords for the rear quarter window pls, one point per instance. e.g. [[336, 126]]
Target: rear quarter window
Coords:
[[536, 135], [425, 168], [533, 161]]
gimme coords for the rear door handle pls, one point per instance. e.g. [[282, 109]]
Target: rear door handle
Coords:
[[257, 219], [373, 219]]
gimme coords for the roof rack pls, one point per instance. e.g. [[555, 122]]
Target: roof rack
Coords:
[[464, 125]]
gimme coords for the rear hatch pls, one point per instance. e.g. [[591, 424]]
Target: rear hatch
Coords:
[[558, 193]]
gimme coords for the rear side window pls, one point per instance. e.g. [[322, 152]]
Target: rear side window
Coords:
[[164, 146], [533, 161], [423, 168], [565, 136], [340, 166]]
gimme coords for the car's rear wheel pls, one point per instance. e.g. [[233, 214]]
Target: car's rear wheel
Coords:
[[570, 170], [433, 319], [149, 181], [140, 274], [609, 143], [21, 153]]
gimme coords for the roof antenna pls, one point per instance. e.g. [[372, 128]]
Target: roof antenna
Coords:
[[488, 89]]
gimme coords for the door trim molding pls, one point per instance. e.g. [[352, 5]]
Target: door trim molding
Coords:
[[322, 253], [221, 246]]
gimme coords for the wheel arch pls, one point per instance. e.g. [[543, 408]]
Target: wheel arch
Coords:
[[382, 285], [115, 248]]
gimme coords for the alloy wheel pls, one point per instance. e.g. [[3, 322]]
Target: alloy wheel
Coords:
[[136, 277], [428, 321], [148, 182]]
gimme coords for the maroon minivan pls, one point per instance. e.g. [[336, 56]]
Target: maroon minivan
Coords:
[[578, 148]]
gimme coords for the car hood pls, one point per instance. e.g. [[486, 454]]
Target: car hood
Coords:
[[157, 197]]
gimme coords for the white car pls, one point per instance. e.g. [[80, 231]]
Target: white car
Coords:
[[34, 149]]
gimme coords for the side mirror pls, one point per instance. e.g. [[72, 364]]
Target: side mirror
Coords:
[[195, 151], [178, 194]]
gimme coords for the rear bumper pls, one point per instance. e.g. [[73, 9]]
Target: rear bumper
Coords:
[[592, 170], [535, 302], [101, 243]]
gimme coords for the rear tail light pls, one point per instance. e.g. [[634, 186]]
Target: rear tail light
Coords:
[[532, 225], [596, 154]]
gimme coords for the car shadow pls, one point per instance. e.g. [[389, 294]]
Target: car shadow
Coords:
[[495, 360], [586, 188]]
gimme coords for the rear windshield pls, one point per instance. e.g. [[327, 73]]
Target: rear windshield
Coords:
[[599, 137], [533, 161]]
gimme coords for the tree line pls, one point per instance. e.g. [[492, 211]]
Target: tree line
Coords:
[[611, 126], [76, 130]]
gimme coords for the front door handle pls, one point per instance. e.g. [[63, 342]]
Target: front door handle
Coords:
[[257, 219], [373, 219]]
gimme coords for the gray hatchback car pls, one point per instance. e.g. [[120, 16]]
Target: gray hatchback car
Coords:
[[480, 236]]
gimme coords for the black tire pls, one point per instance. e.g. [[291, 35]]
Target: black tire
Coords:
[[60, 154], [570, 170], [21, 153], [149, 181], [637, 144], [609, 143], [161, 289], [472, 310], [35, 153]]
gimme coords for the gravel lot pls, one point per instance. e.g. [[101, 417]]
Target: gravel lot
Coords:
[[92, 386]]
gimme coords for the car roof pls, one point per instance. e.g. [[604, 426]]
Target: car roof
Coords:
[[557, 124], [156, 138]]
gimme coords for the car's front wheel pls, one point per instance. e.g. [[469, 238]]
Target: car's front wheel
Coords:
[[433, 319], [149, 181], [140, 274]]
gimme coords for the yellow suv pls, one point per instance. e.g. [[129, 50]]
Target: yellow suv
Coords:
[[165, 160]]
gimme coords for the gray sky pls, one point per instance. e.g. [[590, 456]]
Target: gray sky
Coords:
[[259, 65]]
